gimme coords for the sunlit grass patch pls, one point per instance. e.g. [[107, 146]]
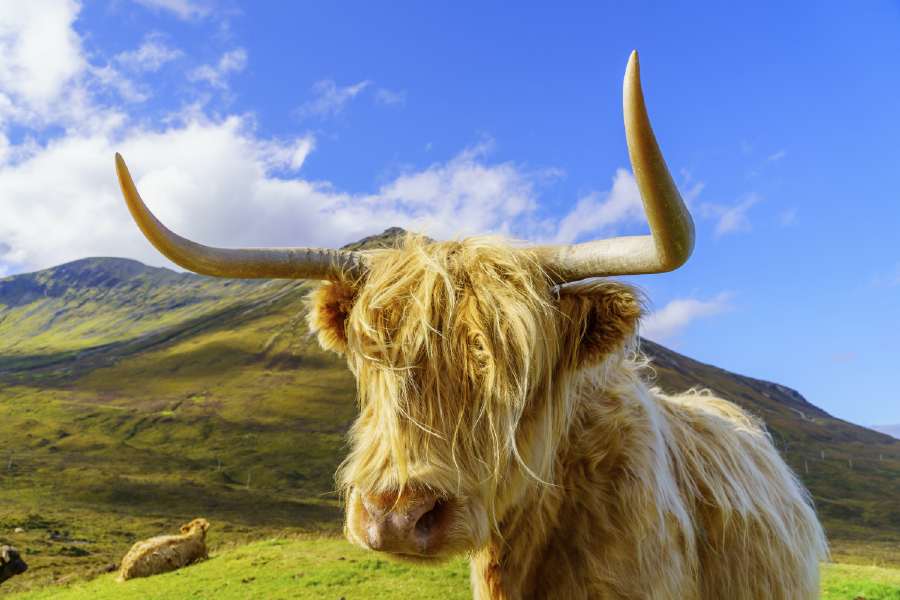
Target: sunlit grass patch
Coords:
[[276, 569], [841, 581], [331, 568]]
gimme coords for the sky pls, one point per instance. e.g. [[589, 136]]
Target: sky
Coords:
[[295, 123]]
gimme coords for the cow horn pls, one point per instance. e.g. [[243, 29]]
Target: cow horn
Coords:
[[4, 554], [240, 263], [672, 230]]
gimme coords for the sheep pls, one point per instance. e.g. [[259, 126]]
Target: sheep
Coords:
[[166, 552]]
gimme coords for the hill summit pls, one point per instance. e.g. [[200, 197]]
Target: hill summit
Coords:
[[87, 273]]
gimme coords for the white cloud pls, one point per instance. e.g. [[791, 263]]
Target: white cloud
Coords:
[[183, 9], [839, 358], [40, 56], [331, 100], [602, 211], [109, 77], [777, 156], [385, 97], [691, 195], [601, 214], [464, 193], [732, 219], [788, 217], [667, 324], [230, 62], [214, 182], [151, 55]]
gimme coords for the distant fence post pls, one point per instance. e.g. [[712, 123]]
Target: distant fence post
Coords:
[[880, 458], [9, 466], [806, 465], [823, 455], [851, 462], [248, 480]]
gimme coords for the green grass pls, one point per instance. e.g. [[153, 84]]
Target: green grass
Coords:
[[854, 581], [281, 568], [331, 568]]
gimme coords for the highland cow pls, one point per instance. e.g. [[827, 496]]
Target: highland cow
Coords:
[[166, 552], [11, 563], [505, 414]]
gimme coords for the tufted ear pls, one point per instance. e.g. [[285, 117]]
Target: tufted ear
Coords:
[[599, 317], [328, 307]]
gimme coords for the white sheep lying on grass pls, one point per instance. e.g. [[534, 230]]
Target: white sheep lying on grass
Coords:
[[166, 552]]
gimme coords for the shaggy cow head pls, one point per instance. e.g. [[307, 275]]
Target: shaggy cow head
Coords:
[[464, 352], [11, 563]]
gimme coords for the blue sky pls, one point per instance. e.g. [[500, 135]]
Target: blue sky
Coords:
[[298, 123]]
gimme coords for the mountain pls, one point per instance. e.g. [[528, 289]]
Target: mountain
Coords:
[[133, 399]]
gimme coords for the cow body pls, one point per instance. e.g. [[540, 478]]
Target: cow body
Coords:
[[11, 563], [167, 552], [658, 497], [509, 419]]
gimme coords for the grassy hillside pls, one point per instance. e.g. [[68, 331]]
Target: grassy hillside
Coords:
[[323, 568], [134, 399]]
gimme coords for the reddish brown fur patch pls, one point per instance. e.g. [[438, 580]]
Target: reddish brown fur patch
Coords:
[[603, 315], [493, 574], [329, 305]]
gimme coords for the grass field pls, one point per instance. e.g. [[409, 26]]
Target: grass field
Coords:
[[331, 568]]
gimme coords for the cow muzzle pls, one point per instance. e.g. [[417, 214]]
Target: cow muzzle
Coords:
[[408, 525]]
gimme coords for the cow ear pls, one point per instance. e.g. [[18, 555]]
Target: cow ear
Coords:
[[328, 308], [599, 318]]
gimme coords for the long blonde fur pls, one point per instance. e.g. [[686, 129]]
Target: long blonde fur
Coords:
[[524, 405]]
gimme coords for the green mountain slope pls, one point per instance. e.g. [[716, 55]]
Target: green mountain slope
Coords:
[[133, 399]]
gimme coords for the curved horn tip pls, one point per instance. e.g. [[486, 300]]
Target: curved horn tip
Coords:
[[633, 68], [121, 167]]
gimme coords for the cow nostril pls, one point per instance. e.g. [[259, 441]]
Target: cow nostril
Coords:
[[431, 521]]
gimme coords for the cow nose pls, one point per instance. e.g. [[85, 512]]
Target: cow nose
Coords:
[[412, 527]]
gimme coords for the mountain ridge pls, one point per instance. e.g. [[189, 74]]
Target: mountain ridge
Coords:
[[145, 292]]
